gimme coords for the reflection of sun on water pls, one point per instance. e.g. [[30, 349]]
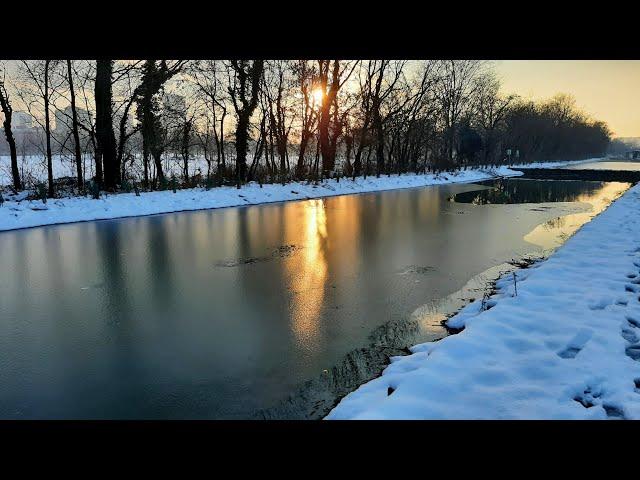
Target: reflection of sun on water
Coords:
[[555, 232], [309, 274]]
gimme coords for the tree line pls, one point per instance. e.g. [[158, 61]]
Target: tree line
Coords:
[[149, 123]]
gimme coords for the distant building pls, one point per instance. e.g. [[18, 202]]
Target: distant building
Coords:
[[64, 120], [21, 121]]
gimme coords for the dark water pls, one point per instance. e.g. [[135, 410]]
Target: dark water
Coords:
[[529, 191], [629, 165], [225, 313]]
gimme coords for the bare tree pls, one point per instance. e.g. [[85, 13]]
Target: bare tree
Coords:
[[37, 97], [155, 75], [307, 78], [331, 78], [244, 85], [491, 110], [74, 127], [7, 111], [104, 123], [278, 85], [208, 79], [123, 76], [455, 93]]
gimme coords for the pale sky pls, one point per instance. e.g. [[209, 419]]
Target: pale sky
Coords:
[[609, 90]]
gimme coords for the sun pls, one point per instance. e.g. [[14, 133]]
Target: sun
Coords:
[[318, 95]]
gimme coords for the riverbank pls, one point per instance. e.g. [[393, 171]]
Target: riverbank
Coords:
[[17, 213], [564, 347]]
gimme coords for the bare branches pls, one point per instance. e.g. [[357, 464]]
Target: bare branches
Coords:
[[333, 117]]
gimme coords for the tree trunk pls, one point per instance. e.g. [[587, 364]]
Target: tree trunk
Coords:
[[74, 128], [377, 124], [242, 135], [15, 173], [47, 130], [104, 124], [122, 139], [8, 133], [328, 162]]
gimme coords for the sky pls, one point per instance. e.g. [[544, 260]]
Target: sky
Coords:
[[608, 90]]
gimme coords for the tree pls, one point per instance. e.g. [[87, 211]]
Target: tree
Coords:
[[277, 86], [244, 85], [104, 124], [331, 78], [154, 76], [306, 77], [7, 112], [74, 127], [490, 113], [122, 77], [208, 80], [380, 87], [37, 96], [83, 78], [455, 94]]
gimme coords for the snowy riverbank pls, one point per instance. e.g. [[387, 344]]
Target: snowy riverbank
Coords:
[[565, 347], [23, 214], [570, 163]]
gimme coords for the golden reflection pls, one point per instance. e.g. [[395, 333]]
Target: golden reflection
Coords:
[[552, 234], [308, 272]]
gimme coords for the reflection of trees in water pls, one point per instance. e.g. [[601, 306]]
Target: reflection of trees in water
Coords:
[[530, 191]]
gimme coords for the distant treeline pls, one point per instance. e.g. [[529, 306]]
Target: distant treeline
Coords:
[[152, 122]]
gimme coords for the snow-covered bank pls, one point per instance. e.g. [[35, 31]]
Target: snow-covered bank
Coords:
[[23, 214], [558, 164], [565, 347]]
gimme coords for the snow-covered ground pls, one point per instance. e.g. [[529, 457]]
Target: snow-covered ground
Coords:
[[558, 164], [567, 346], [34, 167], [16, 214]]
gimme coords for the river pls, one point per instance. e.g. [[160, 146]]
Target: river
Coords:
[[233, 313]]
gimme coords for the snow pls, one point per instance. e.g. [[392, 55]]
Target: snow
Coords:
[[566, 347], [34, 167], [19, 213], [563, 164]]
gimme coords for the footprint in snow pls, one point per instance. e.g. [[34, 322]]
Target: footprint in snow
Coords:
[[633, 352], [629, 335], [599, 303], [614, 411], [576, 344], [634, 322], [591, 397]]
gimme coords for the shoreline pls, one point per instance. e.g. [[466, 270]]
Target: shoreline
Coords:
[[23, 214], [372, 400], [321, 394]]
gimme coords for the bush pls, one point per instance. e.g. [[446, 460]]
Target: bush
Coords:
[[41, 191], [94, 189], [126, 186]]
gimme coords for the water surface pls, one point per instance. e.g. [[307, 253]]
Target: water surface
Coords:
[[626, 165], [224, 313]]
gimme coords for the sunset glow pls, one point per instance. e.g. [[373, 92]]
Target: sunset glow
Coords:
[[318, 95]]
